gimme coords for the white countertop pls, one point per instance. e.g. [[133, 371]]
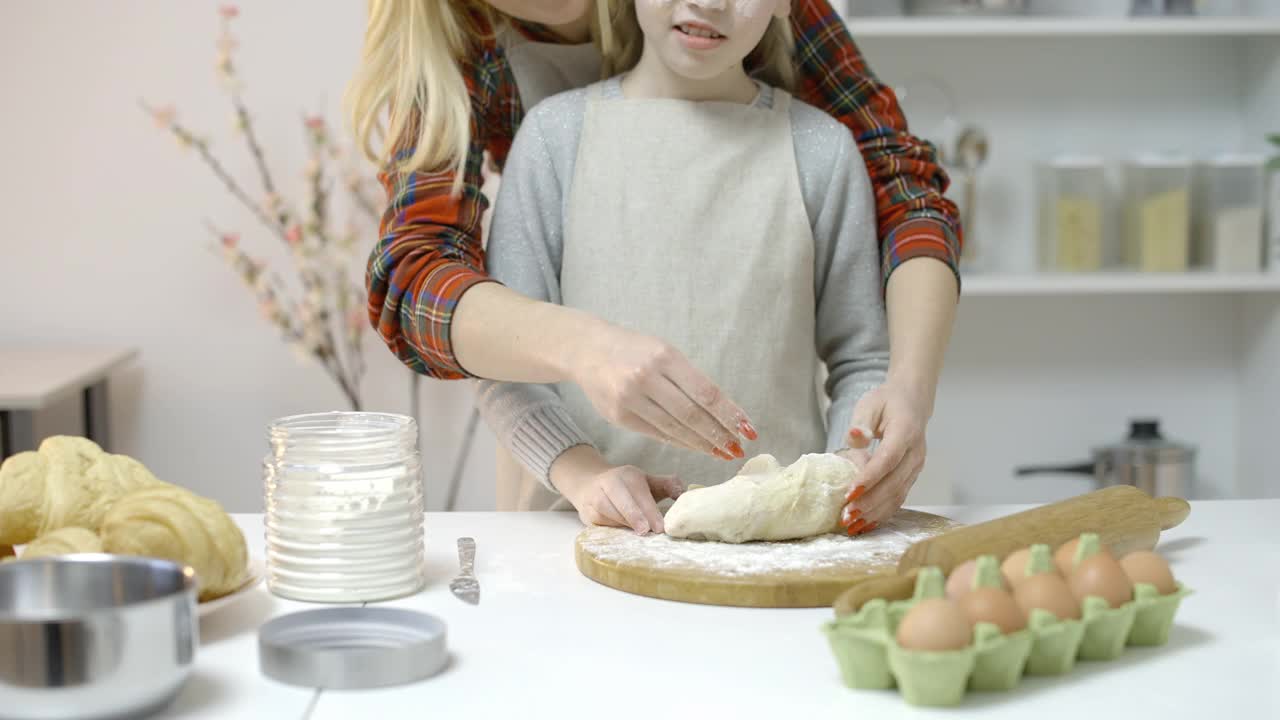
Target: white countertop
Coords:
[[32, 378], [547, 642]]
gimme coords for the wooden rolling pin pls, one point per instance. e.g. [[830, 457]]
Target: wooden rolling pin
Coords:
[[1125, 518]]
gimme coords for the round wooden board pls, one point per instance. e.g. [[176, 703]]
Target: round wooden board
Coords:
[[796, 574]]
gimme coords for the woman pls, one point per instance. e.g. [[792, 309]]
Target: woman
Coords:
[[471, 70]]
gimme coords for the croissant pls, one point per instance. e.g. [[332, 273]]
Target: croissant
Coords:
[[63, 541], [66, 482], [173, 523]]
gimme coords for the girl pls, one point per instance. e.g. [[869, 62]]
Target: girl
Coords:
[[688, 200], [451, 79]]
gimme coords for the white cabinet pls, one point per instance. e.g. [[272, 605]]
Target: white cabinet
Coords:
[[1043, 367]]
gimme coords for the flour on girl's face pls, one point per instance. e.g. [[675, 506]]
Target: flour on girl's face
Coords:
[[745, 8]]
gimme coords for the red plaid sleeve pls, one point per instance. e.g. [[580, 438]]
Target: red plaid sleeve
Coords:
[[914, 217], [430, 250]]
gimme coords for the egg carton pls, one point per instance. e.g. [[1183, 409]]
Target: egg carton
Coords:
[[869, 657]]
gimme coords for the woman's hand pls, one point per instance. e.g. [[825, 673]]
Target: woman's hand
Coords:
[[898, 417], [622, 496], [644, 384]]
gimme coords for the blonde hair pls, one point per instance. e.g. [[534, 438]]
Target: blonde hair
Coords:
[[772, 58], [411, 73]]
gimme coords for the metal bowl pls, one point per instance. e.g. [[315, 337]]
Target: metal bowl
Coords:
[[94, 636]]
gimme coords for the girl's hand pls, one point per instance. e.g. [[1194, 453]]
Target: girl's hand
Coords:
[[644, 384], [896, 416], [622, 496]]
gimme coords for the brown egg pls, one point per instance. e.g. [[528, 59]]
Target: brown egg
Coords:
[[1065, 556], [1148, 567], [1014, 567], [1101, 575], [935, 624], [1047, 591], [993, 605], [960, 581]]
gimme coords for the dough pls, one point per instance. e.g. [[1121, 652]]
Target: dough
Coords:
[[176, 524], [67, 482], [766, 501], [63, 541]]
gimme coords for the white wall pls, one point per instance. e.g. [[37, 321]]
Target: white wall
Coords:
[[103, 241]]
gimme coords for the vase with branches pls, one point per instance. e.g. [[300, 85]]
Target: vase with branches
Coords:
[[321, 315]]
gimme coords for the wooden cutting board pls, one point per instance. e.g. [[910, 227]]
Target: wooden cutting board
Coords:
[[798, 574]]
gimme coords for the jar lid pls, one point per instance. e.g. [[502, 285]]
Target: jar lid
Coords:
[[1145, 445], [350, 648]]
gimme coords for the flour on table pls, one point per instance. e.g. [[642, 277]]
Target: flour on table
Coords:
[[881, 547]]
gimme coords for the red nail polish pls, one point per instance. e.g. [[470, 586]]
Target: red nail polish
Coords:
[[721, 454], [736, 449], [856, 493], [849, 515], [746, 429], [856, 527]]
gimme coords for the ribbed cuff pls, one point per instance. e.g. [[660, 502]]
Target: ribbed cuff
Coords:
[[543, 435]]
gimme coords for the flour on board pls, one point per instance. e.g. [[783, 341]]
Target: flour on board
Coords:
[[882, 547]]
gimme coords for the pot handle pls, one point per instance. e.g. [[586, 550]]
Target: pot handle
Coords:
[[1086, 468]]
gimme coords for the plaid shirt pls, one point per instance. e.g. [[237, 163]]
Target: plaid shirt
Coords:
[[430, 252]]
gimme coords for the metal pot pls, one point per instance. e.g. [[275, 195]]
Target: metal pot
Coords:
[[1145, 460], [94, 636]]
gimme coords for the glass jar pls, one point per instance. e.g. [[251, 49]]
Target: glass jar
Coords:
[[1072, 214], [1157, 227], [344, 507], [1229, 208]]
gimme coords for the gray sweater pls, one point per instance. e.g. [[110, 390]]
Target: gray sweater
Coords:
[[526, 242]]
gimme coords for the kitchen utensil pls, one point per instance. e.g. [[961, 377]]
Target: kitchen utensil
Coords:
[[94, 636], [972, 148], [352, 648], [966, 7], [1125, 519], [344, 520], [465, 586], [1145, 460], [808, 573]]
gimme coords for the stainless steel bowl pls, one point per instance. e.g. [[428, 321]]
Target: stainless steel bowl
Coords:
[[94, 636]]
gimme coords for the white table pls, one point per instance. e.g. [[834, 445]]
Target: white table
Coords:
[[33, 379], [547, 642]]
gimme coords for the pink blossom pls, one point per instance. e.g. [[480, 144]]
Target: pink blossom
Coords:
[[230, 240], [293, 234], [314, 122], [228, 11], [163, 116]]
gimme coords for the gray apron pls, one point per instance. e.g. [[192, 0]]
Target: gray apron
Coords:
[[686, 222]]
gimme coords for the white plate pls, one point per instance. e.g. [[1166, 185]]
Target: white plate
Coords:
[[257, 571]]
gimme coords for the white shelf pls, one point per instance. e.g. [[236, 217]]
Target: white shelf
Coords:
[[1065, 27], [1119, 283]]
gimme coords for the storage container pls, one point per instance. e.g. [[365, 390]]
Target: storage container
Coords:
[[1157, 213], [1072, 212], [1229, 211], [344, 507]]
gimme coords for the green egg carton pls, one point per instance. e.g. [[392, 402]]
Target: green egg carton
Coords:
[[866, 650]]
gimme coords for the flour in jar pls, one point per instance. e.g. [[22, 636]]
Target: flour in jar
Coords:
[[882, 547]]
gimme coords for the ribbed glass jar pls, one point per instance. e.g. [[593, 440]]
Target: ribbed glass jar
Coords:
[[344, 504]]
